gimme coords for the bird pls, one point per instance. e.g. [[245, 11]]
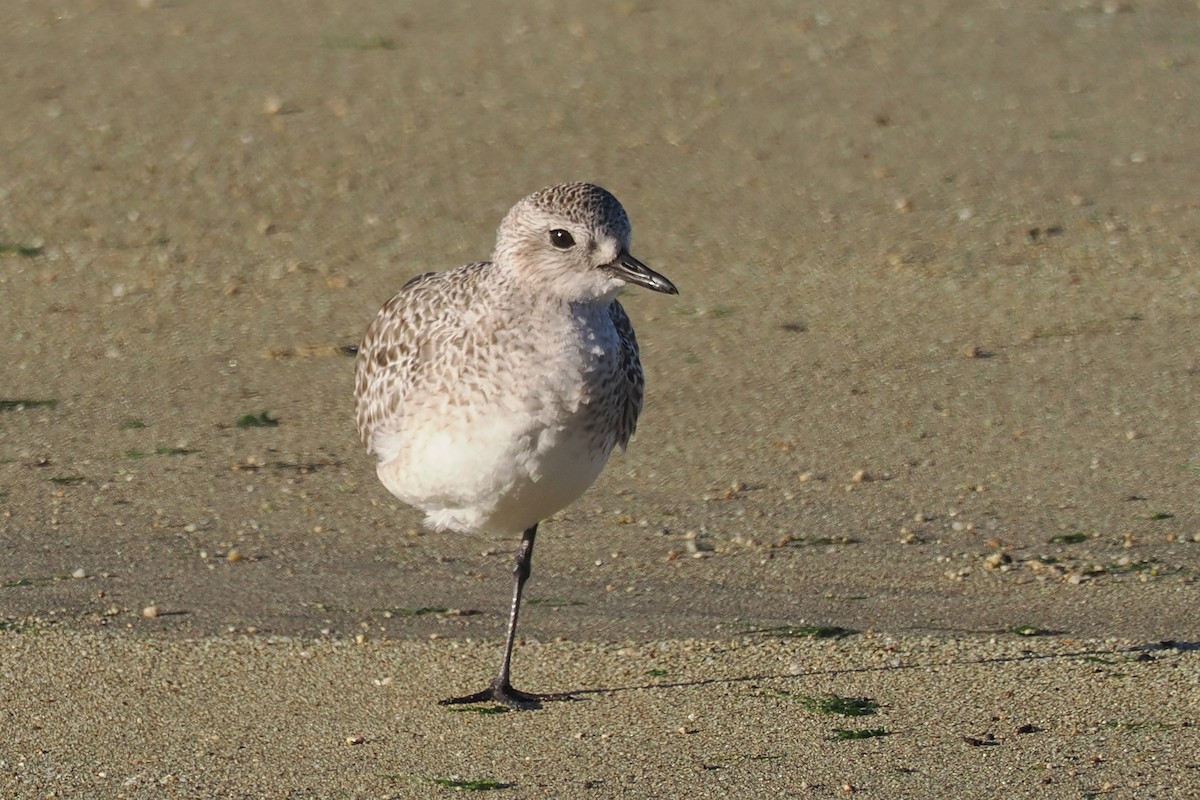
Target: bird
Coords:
[[492, 395]]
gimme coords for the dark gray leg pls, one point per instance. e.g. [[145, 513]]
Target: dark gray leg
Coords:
[[501, 690]]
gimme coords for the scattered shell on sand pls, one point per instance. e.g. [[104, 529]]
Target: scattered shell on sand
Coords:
[[998, 560]]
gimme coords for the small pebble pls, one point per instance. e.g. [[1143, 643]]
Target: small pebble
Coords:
[[233, 556], [998, 560], [79, 573], [150, 612]]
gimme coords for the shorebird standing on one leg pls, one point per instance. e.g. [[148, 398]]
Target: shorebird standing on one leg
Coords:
[[493, 394]]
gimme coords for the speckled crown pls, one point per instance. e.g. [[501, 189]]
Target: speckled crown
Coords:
[[584, 203]]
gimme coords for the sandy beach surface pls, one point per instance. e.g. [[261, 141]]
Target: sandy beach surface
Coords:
[[914, 506]]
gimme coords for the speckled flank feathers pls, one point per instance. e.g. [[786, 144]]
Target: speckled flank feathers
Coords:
[[493, 394]]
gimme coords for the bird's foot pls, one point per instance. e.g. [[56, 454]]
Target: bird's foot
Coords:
[[503, 692]]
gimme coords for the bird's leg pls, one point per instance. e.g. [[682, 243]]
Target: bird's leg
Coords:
[[501, 689]]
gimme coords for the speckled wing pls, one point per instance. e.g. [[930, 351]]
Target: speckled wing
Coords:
[[392, 350], [629, 372]]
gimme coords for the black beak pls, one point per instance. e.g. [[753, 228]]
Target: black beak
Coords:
[[630, 270]]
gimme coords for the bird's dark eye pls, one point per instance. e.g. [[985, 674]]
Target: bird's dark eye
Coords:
[[561, 239]]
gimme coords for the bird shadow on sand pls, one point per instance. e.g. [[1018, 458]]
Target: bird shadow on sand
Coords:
[[1141, 652]]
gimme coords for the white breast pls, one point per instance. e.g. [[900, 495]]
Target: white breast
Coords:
[[516, 443]]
